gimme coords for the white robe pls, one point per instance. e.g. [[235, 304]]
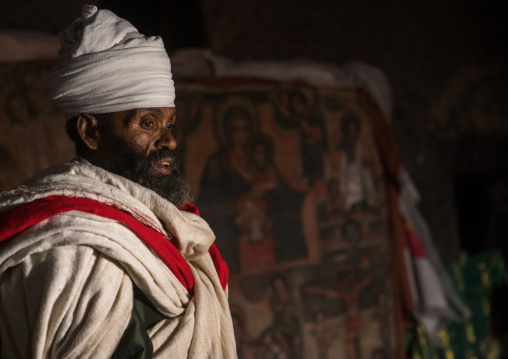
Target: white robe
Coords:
[[66, 283]]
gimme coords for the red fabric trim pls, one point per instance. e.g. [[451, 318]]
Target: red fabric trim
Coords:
[[20, 218], [412, 242], [219, 262], [190, 207], [220, 265]]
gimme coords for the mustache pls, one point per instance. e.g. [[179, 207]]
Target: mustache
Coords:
[[160, 154]]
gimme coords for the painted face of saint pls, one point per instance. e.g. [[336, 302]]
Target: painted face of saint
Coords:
[[240, 131]]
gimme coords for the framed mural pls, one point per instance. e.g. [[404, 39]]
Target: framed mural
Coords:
[[290, 180]]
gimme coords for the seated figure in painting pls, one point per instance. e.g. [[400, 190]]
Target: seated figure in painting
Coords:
[[261, 173], [246, 201], [278, 204], [256, 241]]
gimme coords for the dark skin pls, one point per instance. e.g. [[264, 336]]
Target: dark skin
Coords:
[[146, 130]]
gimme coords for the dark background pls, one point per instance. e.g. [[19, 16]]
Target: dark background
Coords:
[[446, 61]]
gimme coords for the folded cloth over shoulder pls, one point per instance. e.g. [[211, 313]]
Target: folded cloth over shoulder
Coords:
[[66, 281], [106, 65]]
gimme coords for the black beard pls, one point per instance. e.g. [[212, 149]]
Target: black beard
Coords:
[[137, 167]]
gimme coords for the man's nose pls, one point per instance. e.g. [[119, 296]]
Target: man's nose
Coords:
[[166, 139]]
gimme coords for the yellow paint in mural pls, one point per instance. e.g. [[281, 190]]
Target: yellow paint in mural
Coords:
[[485, 274], [422, 338], [471, 337], [486, 306], [459, 281], [495, 350], [446, 344]]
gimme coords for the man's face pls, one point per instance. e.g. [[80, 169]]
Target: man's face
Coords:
[[139, 145]]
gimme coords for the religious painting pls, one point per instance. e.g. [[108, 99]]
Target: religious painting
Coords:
[[348, 311], [339, 163], [32, 131], [290, 180], [295, 110], [353, 211], [266, 319], [264, 221], [339, 308]]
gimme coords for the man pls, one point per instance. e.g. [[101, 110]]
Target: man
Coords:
[[105, 256]]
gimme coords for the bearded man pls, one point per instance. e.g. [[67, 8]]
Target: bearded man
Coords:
[[105, 256]]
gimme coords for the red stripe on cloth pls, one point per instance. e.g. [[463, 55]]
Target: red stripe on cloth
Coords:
[[412, 242], [190, 207], [219, 262], [20, 218], [220, 265]]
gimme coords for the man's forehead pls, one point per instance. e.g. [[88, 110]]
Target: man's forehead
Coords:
[[123, 118], [137, 112], [158, 110]]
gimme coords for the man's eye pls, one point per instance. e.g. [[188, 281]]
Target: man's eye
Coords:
[[171, 127], [147, 124]]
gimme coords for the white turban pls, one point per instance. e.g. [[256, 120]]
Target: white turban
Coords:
[[106, 65]]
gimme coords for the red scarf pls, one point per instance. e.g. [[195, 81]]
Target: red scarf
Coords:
[[20, 218]]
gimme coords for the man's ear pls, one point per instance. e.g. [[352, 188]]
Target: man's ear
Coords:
[[88, 130]]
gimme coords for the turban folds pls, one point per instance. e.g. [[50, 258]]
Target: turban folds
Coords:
[[106, 65]]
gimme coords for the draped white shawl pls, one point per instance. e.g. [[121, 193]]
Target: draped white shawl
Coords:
[[66, 283]]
